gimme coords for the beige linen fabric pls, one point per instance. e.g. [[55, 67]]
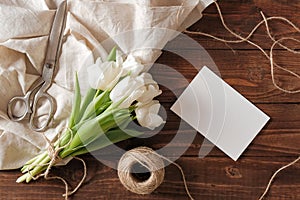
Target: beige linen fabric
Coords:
[[25, 26]]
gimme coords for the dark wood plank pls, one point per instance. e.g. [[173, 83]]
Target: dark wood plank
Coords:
[[280, 137], [242, 17], [247, 71], [209, 178]]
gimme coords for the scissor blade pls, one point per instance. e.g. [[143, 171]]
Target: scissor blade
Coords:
[[56, 34]]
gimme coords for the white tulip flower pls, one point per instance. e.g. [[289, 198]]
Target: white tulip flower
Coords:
[[141, 88], [147, 114], [128, 90], [131, 66], [131, 95], [104, 75], [151, 91]]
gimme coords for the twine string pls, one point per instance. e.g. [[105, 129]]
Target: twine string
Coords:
[[82, 179], [53, 153], [270, 57], [272, 65], [246, 39], [145, 157], [275, 174], [152, 161], [182, 174]]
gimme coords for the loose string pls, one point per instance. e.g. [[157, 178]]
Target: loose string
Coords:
[[270, 57], [275, 174], [181, 171], [246, 39], [182, 174], [81, 181]]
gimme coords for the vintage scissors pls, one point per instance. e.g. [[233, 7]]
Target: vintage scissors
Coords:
[[38, 90]]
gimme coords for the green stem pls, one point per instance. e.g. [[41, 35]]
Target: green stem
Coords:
[[32, 165], [98, 92], [22, 178], [65, 138], [86, 101], [76, 104], [91, 109], [96, 127], [38, 169], [110, 137], [28, 163]]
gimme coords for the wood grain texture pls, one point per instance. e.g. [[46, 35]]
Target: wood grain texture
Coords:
[[216, 176], [208, 178], [247, 71], [242, 17]]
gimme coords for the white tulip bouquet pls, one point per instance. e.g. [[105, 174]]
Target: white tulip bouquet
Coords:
[[120, 93]]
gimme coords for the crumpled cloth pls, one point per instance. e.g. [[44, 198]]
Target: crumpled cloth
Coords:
[[25, 27]]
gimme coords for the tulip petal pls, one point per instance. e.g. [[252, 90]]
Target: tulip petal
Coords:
[[147, 114]]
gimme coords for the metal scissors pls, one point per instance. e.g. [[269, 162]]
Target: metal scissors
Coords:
[[38, 90]]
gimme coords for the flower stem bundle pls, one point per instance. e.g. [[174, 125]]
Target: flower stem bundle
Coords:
[[120, 93]]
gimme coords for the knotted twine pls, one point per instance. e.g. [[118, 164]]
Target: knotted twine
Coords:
[[53, 153], [153, 162], [269, 57]]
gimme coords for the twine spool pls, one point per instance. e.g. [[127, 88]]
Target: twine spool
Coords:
[[149, 163]]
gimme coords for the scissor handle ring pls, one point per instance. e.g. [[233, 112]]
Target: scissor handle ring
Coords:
[[13, 102], [51, 100]]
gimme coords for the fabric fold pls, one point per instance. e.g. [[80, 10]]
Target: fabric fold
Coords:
[[18, 22]]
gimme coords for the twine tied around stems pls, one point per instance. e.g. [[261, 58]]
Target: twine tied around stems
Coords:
[[53, 153]]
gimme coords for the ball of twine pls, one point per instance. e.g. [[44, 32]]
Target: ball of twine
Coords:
[[147, 158]]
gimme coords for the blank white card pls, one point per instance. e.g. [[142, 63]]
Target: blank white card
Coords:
[[220, 113]]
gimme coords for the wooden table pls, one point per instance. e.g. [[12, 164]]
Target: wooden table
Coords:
[[216, 176]]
